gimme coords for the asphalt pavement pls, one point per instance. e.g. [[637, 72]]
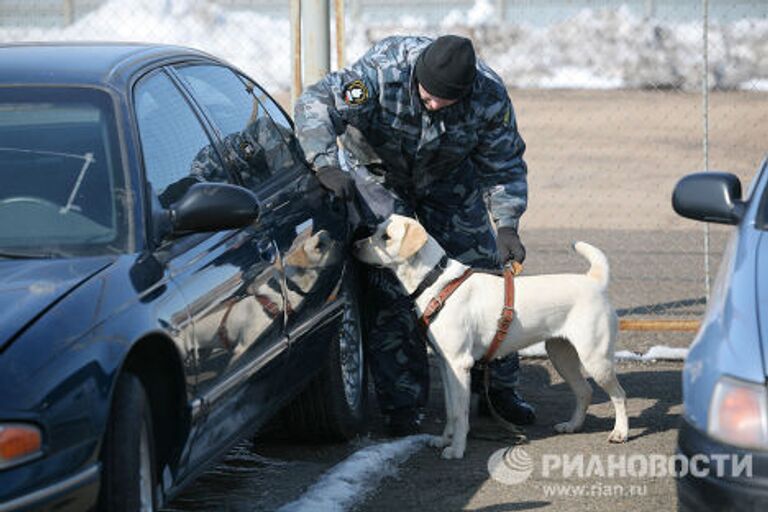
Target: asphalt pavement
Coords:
[[266, 474], [429, 483]]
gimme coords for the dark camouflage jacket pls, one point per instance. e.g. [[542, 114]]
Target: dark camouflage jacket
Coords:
[[374, 106]]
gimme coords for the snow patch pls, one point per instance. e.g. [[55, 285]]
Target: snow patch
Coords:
[[755, 85], [348, 483], [662, 352]]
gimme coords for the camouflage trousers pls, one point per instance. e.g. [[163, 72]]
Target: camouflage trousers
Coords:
[[397, 353]]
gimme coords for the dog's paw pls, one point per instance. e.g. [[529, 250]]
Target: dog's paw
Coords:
[[453, 452], [439, 442], [617, 436], [566, 428]]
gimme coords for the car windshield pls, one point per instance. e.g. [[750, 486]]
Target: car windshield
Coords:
[[61, 178]]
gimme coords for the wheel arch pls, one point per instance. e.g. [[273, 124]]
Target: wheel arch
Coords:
[[157, 363]]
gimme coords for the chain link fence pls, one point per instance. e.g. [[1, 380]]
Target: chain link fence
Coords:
[[615, 99], [610, 99]]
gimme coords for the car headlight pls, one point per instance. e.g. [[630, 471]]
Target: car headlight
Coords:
[[738, 413], [19, 443]]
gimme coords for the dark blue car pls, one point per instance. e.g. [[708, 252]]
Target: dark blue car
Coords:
[[172, 276]]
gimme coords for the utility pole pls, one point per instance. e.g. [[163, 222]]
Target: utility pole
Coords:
[[501, 11], [316, 39], [340, 33], [69, 12], [650, 9], [296, 84]]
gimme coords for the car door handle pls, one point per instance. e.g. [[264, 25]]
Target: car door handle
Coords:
[[266, 250]]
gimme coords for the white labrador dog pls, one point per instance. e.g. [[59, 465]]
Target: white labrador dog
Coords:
[[570, 311]]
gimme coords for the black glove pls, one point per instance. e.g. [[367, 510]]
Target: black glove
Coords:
[[509, 245], [337, 181]]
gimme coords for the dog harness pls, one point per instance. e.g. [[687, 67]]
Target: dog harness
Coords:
[[507, 314], [436, 303]]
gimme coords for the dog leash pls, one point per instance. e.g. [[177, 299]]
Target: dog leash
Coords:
[[507, 315], [518, 433], [507, 312]]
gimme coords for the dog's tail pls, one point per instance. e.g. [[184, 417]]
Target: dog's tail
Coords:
[[599, 268]]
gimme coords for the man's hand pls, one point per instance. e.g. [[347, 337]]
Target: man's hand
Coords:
[[509, 245], [337, 181]]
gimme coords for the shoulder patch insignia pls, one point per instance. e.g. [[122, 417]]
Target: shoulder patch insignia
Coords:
[[355, 93]]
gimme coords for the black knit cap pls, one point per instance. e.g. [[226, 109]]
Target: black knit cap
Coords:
[[446, 68]]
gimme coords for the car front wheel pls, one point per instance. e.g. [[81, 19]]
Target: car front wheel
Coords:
[[333, 406], [128, 455]]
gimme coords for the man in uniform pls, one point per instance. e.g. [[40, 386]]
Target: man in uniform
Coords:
[[434, 126]]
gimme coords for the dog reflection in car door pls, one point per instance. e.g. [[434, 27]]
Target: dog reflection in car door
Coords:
[[248, 313]]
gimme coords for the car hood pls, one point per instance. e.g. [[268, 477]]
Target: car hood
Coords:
[[28, 288]]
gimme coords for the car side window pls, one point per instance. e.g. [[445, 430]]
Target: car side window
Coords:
[[273, 109], [280, 118], [177, 151], [256, 143]]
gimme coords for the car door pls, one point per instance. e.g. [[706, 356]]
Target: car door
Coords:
[[230, 279], [309, 231]]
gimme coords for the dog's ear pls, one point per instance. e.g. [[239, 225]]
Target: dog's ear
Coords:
[[414, 238]]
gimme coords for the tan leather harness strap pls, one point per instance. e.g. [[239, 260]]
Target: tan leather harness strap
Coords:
[[437, 303], [507, 314]]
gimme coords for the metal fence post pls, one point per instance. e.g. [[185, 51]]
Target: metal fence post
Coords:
[[354, 10], [705, 93], [295, 52], [316, 39], [340, 33], [69, 12], [650, 9]]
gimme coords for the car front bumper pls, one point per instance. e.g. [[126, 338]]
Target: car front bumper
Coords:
[[77, 492], [720, 492]]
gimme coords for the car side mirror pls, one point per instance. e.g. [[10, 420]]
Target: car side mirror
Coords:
[[709, 196], [214, 207]]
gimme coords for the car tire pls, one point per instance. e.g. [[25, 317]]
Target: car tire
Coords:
[[333, 407], [128, 455]]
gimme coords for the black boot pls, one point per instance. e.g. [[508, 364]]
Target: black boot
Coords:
[[404, 422], [509, 405]]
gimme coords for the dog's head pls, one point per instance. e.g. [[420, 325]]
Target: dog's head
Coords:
[[312, 251], [395, 240]]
